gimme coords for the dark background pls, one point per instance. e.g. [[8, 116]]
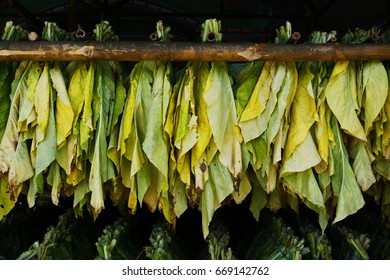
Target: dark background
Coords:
[[242, 20]]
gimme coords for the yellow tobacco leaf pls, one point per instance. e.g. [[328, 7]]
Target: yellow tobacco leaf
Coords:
[[219, 94], [321, 134], [42, 99], [305, 156], [76, 90], [63, 108], [303, 113], [260, 95], [339, 98], [376, 87]]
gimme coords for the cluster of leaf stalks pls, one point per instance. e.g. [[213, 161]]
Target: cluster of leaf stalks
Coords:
[[69, 239]]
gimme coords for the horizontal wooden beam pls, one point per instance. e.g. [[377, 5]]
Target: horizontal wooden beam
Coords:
[[184, 51]]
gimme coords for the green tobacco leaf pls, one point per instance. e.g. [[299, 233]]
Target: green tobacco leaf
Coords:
[[80, 195], [217, 188], [223, 123], [277, 199], [382, 167], [258, 200], [3, 76], [259, 150], [386, 201], [144, 179], [5, 93], [376, 87], [179, 197], [344, 184], [112, 148], [246, 82], [340, 100], [102, 168]]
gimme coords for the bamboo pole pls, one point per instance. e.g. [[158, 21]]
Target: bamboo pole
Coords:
[[181, 51]]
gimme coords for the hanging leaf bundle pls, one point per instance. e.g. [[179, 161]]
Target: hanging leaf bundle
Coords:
[[263, 99], [66, 240], [87, 114], [206, 148], [143, 141], [8, 77], [28, 145]]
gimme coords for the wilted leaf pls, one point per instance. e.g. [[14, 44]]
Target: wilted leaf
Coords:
[[8, 197]]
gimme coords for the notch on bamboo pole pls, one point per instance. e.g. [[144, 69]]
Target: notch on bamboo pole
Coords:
[[183, 51]]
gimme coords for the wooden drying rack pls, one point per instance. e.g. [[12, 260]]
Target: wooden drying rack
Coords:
[[185, 51]]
